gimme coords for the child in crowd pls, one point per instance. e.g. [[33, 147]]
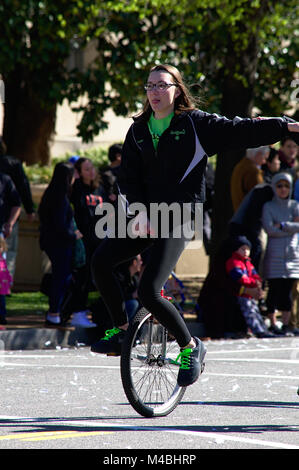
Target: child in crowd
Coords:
[[241, 270], [5, 281]]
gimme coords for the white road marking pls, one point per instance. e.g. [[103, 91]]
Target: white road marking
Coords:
[[253, 359], [258, 350], [219, 438], [65, 366], [254, 376]]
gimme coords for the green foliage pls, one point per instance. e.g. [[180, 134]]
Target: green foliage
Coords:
[[39, 36], [42, 174]]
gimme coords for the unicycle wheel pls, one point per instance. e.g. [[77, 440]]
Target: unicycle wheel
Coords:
[[148, 367]]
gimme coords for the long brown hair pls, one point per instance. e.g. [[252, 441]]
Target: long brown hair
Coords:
[[184, 102]]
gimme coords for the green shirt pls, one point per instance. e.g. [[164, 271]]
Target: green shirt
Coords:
[[158, 126]]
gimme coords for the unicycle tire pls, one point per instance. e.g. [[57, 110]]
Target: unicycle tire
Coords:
[[148, 367]]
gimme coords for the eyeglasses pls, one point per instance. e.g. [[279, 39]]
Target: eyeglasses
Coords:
[[161, 86], [282, 186]]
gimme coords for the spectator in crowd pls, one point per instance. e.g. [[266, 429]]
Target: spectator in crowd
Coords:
[[272, 165], [241, 270], [294, 320], [128, 275], [13, 167], [247, 174], [10, 205], [5, 281], [247, 220], [217, 301], [73, 159], [58, 235], [110, 173], [87, 193], [280, 220], [288, 153]]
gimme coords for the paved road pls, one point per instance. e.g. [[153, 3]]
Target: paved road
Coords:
[[73, 399]]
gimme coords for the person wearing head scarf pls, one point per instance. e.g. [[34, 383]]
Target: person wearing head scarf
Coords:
[[280, 220]]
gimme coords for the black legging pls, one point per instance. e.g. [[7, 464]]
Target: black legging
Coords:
[[164, 255]]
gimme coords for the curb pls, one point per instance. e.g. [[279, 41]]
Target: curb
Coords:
[[47, 338], [54, 338]]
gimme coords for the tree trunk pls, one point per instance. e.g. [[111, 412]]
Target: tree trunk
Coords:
[[237, 100], [27, 127]]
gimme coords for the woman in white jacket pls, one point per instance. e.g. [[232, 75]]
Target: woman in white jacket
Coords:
[[281, 262]]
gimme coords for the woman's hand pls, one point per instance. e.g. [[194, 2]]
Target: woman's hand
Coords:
[[293, 126]]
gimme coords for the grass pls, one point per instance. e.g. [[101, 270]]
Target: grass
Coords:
[[25, 303], [36, 304], [32, 303]]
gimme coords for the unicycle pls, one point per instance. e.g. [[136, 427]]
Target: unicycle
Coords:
[[149, 368]]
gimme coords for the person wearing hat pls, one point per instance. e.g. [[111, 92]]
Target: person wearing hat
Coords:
[[240, 269], [280, 220]]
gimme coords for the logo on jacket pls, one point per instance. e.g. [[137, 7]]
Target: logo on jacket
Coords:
[[178, 133], [93, 200]]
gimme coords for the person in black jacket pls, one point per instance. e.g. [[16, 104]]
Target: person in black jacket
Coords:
[[247, 220], [10, 205], [109, 174], [13, 167], [164, 159], [87, 193], [58, 234]]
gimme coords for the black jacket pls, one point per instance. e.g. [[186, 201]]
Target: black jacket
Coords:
[[13, 167], [9, 198], [175, 172], [109, 177], [249, 213], [56, 224]]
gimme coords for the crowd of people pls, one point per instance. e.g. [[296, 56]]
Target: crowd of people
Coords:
[[67, 221], [255, 272], [67, 234]]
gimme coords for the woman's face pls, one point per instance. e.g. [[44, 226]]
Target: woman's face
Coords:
[[283, 189], [290, 149], [87, 172], [162, 101]]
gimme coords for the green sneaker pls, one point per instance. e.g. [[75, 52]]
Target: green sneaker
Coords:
[[191, 363], [111, 343]]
